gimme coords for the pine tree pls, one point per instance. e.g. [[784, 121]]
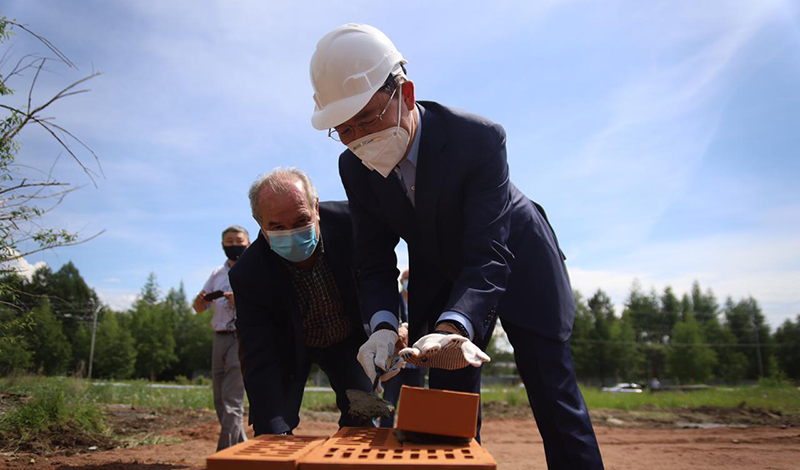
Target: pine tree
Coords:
[[688, 359]]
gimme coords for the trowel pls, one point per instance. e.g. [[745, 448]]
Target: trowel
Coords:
[[366, 406]]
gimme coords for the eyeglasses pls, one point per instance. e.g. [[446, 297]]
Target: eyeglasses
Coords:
[[347, 132]]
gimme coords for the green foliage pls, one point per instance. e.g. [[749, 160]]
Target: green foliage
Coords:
[[788, 351], [55, 406], [15, 352], [704, 305], [688, 359], [747, 323], [114, 349], [645, 311], [579, 342], [51, 350]]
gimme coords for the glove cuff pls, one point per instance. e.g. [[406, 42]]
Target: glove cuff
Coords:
[[384, 325]]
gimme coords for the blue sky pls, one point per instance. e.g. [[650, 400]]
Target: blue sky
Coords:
[[661, 137]]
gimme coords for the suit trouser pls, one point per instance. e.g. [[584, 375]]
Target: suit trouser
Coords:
[[545, 366], [412, 376], [344, 372], [228, 389]]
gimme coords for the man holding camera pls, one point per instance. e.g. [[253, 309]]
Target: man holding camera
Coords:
[[225, 368]]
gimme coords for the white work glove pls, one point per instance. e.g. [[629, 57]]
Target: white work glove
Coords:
[[444, 351], [377, 355]]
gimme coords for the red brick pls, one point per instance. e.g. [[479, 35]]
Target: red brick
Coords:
[[378, 449], [438, 412], [265, 452]]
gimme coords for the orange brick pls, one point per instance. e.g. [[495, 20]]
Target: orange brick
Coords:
[[439, 412], [265, 452], [378, 449]]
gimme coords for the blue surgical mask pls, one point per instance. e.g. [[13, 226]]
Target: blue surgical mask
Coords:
[[294, 245]]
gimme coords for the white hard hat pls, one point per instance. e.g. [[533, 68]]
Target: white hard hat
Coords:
[[350, 64]]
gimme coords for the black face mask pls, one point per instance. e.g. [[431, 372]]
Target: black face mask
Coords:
[[234, 252]]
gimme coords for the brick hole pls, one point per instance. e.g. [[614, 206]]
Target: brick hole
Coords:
[[363, 456], [469, 457], [431, 451], [381, 455], [346, 455], [466, 451], [449, 456], [414, 456], [396, 456]]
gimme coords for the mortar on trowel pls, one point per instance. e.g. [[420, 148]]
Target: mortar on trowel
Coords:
[[365, 406]]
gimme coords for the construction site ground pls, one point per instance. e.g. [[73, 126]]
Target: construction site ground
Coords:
[[702, 438]]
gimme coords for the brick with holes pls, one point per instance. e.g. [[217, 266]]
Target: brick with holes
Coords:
[[377, 449], [265, 452], [440, 412]]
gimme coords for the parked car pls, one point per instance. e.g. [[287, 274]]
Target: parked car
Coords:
[[624, 388]]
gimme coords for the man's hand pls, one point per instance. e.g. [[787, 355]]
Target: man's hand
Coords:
[[200, 304], [402, 337], [377, 355], [229, 296], [444, 351]]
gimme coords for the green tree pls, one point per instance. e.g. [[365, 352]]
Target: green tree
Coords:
[[152, 328], [645, 311], [671, 311], [686, 306], [688, 358], [731, 364], [748, 325], [114, 350], [193, 337], [600, 349], [51, 349], [787, 351], [626, 357], [15, 352], [704, 305], [579, 341]]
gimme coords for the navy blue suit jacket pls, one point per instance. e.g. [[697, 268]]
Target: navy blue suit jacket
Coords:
[[477, 245], [268, 317]]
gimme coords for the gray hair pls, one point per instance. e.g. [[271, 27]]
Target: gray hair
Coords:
[[235, 229], [279, 181]]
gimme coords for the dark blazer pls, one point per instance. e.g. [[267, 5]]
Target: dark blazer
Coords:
[[268, 318], [477, 245]]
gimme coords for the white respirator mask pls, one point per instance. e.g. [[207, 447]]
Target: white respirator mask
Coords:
[[383, 150]]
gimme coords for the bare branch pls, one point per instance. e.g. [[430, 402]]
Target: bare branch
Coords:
[[24, 185], [44, 41], [33, 83], [37, 250]]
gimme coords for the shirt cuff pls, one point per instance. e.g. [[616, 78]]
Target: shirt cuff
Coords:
[[455, 316], [382, 316]]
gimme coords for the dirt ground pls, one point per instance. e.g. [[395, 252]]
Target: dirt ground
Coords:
[[704, 438]]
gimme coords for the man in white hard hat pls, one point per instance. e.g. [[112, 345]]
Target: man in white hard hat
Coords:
[[479, 249]]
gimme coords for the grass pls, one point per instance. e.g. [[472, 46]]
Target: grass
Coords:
[[47, 412], [785, 398], [34, 407]]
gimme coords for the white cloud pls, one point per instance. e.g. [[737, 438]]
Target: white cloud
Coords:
[[22, 267], [118, 299], [761, 265]]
